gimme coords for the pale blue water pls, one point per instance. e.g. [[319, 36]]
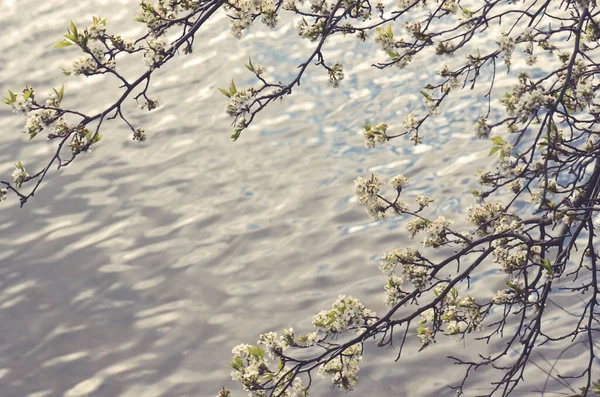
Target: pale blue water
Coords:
[[135, 270]]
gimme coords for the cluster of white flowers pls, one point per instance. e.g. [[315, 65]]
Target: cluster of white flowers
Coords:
[[482, 130], [239, 103], [96, 29], [376, 135], [366, 190], [410, 123], [336, 74], [38, 117], [510, 260], [530, 102], [156, 51], [3, 192], [507, 45], [93, 62], [346, 313], [397, 182], [413, 27], [19, 174], [425, 335], [418, 275], [415, 225], [390, 260], [424, 200], [251, 368], [459, 314], [393, 291], [384, 37], [435, 232], [243, 13], [22, 103], [584, 93], [344, 368], [451, 84], [310, 339], [37, 120], [268, 15], [503, 297], [275, 344], [308, 31], [527, 36], [155, 15], [431, 105], [485, 216]]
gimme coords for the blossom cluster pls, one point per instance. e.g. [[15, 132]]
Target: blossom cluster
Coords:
[[156, 51], [19, 175], [252, 369], [343, 369], [244, 12], [39, 116], [455, 314], [346, 313], [375, 135]]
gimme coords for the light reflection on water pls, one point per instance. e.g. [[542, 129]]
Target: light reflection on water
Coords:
[[134, 272]]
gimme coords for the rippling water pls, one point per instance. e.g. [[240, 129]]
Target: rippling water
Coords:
[[135, 270]]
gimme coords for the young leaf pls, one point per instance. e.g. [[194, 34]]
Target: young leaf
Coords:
[[494, 150], [232, 88], [60, 93], [497, 140], [73, 29], [63, 43], [225, 92]]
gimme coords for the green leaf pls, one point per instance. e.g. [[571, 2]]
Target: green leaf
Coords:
[[237, 364], [249, 66], [66, 72], [19, 165], [71, 37], [494, 150], [256, 352], [63, 43], [513, 286], [497, 140], [280, 364], [73, 29], [232, 89], [60, 93], [225, 92], [11, 98], [236, 135], [426, 95], [27, 94], [546, 264]]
